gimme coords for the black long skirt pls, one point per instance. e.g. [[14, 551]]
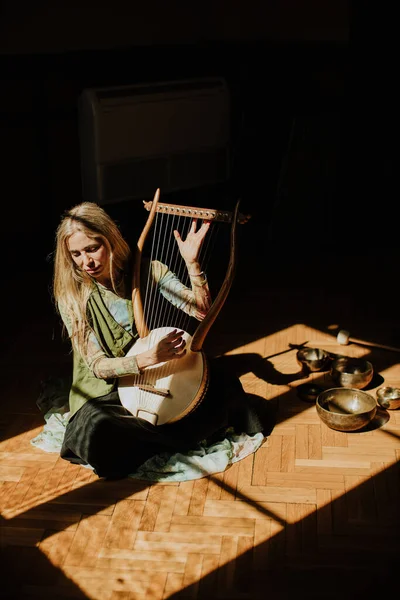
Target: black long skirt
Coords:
[[108, 437]]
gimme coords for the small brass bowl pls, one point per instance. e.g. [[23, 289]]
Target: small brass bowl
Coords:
[[351, 372], [312, 359], [388, 397], [346, 409]]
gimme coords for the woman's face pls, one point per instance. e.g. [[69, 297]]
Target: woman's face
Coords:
[[90, 255]]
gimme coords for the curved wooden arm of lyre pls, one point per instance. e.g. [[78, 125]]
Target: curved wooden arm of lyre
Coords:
[[137, 304], [205, 325]]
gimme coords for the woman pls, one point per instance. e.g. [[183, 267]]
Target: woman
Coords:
[[92, 292]]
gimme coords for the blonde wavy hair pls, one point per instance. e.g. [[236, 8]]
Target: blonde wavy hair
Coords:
[[71, 285]]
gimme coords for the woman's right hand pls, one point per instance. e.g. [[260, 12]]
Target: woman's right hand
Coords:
[[170, 347]]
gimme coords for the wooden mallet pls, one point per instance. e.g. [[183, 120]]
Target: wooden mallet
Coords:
[[343, 337]]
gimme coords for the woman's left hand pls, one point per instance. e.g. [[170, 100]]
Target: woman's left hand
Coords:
[[190, 247]]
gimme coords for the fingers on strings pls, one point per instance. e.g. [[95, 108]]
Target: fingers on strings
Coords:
[[205, 225], [176, 343]]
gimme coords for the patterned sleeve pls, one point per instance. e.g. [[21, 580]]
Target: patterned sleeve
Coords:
[[111, 368], [98, 362], [194, 302]]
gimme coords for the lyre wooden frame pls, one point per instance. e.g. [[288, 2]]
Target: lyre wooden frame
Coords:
[[195, 213]]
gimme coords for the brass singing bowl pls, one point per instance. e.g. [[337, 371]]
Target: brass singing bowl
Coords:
[[388, 397], [312, 359], [346, 409], [351, 372]]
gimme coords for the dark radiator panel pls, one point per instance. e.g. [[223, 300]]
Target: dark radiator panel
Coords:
[[171, 135]]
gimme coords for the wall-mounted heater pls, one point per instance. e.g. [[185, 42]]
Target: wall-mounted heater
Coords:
[[172, 135]]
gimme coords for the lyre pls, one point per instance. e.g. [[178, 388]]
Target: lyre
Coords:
[[169, 391]]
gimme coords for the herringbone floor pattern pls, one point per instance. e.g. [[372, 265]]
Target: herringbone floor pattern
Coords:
[[314, 513]]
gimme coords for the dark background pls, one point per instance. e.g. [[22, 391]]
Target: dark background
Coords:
[[315, 129], [313, 123]]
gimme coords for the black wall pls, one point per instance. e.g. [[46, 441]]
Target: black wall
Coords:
[[312, 120], [270, 84]]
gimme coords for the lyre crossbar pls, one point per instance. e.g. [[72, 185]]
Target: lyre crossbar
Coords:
[[208, 214]]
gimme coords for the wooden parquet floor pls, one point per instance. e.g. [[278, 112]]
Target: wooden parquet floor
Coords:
[[314, 513]]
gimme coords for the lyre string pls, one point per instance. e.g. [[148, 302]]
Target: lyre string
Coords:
[[155, 306], [176, 265], [149, 292], [146, 302], [151, 298], [156, 302]]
